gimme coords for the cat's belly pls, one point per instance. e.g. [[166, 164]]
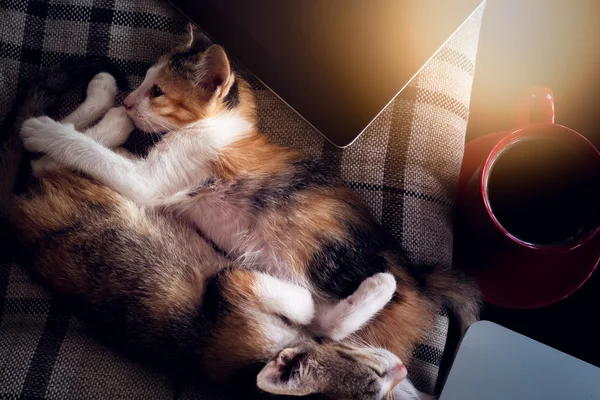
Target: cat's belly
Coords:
[[230, 227], [221, 223]]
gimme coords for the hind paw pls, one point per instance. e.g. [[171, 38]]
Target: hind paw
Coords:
[[378, 286], [103, 85], [352, 313], [102, 91]]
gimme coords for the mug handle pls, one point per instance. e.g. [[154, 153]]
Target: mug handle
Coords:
[[535, 106]]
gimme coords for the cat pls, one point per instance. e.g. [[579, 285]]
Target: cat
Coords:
[[267, 206], [158, 289]]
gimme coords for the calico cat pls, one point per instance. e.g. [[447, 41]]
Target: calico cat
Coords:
[[161, 291], [267, 206]]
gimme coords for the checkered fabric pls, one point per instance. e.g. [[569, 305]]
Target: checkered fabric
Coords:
[[405, 167]]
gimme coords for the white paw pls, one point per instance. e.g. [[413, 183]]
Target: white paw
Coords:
[[285, 298], [39, 133], [102, 89], [379, 287], [301, 309], [102, 84], [119, 128], [352, 313]]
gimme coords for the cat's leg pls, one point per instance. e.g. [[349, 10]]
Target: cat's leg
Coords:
[[101, 93], [270, 295], [350, 314], [112, 131], [284, 298], [169, 167]]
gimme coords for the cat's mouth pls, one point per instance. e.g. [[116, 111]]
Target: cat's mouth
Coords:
[[145, 124]]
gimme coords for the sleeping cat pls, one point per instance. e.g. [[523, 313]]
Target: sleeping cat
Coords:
[[265, 205], [161, 291]]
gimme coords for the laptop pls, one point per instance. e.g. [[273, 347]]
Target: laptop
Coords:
[[495, 363], [338, 63]]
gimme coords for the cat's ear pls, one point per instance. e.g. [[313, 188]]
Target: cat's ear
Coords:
[[197, 41], [288, 373], [214, 71]]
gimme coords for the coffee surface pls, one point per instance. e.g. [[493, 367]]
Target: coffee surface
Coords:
[[544, 191]]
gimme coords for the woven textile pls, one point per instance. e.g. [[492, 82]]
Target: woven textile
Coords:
[[404, 167]]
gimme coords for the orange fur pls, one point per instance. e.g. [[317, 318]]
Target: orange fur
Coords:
[[252, 156], [399, 326]]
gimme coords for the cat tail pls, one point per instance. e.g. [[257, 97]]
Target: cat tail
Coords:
[[41, 97], [459, 292]]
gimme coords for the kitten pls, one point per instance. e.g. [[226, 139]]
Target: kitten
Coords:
[[159, 290], [268, 206]]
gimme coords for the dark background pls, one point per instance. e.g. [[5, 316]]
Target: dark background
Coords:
[[554, 43]]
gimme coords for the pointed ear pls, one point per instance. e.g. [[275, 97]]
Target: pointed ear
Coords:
[[214, 71], [288, 373], [197, 40]]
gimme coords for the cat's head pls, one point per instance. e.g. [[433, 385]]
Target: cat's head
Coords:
[[336, 370], [190, 84]]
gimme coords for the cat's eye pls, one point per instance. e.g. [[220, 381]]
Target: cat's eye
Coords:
[[378, 372], [156, 92]]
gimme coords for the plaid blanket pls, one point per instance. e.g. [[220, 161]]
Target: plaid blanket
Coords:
[[404, 167]]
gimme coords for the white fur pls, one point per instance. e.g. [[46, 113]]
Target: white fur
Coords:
[[179, 162], [101, 92], [352, 313], [284, 298], [277, 299], [113, 129], [111, 132]]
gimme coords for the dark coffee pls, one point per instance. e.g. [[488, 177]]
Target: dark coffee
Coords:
[[544, 191]]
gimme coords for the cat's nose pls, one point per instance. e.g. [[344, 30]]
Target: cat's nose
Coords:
[[128, 103], [396, 374]]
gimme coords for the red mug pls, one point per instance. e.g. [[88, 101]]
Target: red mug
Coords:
[[511, 245], [540, 155]]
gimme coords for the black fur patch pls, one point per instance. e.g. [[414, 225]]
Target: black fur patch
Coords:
[[178, 59], [304, 175], [340, 266], [213, 305], [232, 100]]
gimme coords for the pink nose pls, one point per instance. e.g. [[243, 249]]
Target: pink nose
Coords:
[[128, 102], [396, 374]]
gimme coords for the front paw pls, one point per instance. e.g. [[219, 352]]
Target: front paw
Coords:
[[120, 127], [39, 133]]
